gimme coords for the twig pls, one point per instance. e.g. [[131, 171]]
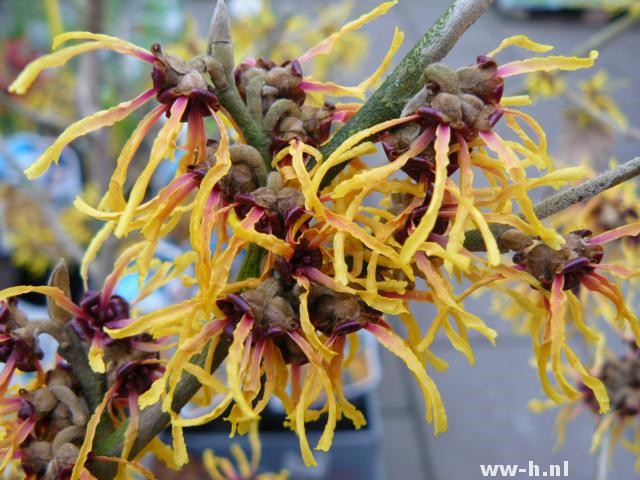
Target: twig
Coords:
[[602, 467], [404, 82], [608, 34], [76, 355], [563, 200], [88, 101], [601, 117]]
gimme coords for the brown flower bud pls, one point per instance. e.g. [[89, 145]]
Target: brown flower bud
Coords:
[[289, 198], [514, 240]]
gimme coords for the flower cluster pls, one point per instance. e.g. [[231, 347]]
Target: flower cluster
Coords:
[[329, 244]]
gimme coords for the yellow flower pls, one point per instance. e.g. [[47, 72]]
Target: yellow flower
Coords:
[[220, 468]]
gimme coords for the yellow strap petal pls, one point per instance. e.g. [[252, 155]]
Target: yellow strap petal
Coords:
[[305, 322], [325, 46], [115, 195], [595, 384], [375, 175], [433, 402], [520, 41], [93, 248], [54, 19], [162, 144], [234, 360], [56, 59], [90, 433], [422, 231], [96, 358], [338, 156], [113, 43], [546, 64], [396, 43], [82, 127]]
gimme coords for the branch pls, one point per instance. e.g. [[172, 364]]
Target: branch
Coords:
[[601, 116], [405, 80], [563, 200], [602, 465], [76, 355]]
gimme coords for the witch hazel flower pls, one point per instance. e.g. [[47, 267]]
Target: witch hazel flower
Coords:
[[183, 95], [458, 109], [559, 276]]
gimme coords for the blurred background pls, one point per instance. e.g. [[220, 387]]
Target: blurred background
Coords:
[[590, 117]]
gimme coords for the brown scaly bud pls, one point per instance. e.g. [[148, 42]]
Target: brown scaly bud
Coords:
[[514, 240], [335, 313], [290, 128], [62, 464], [76, 405], [481, 80], [317, 120], [36, 457], [289, 198], [264, 197], [43, 401], [466, 99], [280, 315], [572, 260], [246, 173], [282, 205], [273, 314], [61, 375], [284, 79], [60, 279], [173, 77]]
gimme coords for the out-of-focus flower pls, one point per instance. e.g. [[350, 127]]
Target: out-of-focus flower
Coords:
[[32, 241], [223, 469], [179, 86], [545, 85], [619, 376]]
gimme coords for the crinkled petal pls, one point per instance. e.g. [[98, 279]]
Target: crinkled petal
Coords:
[[82, 127], [422, 231], [434, 406], [162, 144], [520, 41], [325, 46], [546, 64], [396, 43]]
